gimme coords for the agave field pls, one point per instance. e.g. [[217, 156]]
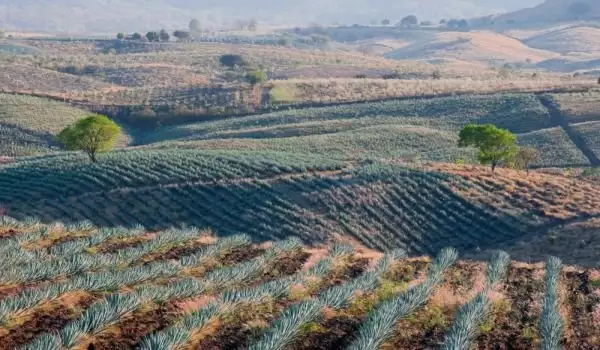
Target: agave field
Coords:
[[81, 287]]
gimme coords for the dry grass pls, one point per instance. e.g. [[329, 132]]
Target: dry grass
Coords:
[[333, 90], [472, 46]]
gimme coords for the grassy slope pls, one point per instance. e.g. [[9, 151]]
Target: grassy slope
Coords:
[[28, 124], [425, 129]]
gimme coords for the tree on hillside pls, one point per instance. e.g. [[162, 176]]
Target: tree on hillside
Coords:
[[525, 157], [580, 8], [164, 35], [257, 76], [181, 35], [152, 36], [495, 145], [136, 36], [385, 22], [252, 25], [409, 21], [120, 36], [92, 135], [194, 26]]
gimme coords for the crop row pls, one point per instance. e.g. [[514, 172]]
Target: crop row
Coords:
[[112, 309]]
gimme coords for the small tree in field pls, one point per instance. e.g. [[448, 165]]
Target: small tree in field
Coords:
[[525, 157], [120, 36], [495, 145], [93, 135]]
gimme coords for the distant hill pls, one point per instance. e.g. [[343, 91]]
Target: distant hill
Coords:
[[574, 39], [472, 46], [129, 15], [554, 11]]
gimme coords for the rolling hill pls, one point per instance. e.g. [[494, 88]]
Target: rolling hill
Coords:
[[472, 46], [577, 39]]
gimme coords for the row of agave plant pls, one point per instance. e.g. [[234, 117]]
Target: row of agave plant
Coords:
[[471, 315], [110, 310], [114, 279], [182, 331]]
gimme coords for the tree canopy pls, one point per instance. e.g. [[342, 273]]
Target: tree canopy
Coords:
[[93, 135], [409, 21], [495, 145], [194, 26]]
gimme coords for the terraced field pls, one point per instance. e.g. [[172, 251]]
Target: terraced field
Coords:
[[277, 195], [186, 289], [424, 129]]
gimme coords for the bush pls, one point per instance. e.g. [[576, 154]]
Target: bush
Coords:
[[232, 61], [258, 76]]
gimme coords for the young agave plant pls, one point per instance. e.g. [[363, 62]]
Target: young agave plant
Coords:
[[287, 328], [497, 268], [551, 321], [382, 321], [471, 315], [467, 322]]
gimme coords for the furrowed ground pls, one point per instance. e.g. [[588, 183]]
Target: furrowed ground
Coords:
[[275, 195], [60, 288]]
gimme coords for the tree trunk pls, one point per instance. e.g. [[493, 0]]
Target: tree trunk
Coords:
[[494, 165], [92, 156]]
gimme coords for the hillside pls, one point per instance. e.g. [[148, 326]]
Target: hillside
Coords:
[[187, 289], [553, 11], [472, 46], [28, 124], [578, 39]]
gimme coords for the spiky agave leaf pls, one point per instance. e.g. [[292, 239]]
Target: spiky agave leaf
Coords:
[[45, 342], [28, 299], [321, 268], [165, 340], [551, 321], [287, 328], [99, 316], [386, 261], [338, 249], [466, 324], [179, 333], [212, 250], [497, 267], [381, 322]]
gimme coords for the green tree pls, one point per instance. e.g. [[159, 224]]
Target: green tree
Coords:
[[252, 25], [194, 26], [409, 21], [525, 157], [257, 76], [181, 35], [164, 35], [152, 36], [94, 134], [136, 36], [495, 145], [120, 36]]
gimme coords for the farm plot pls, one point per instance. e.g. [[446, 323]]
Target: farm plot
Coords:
[[555, 147], [71, 174], [590, 131], [230, 293], [579, 107], [519, 113]]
